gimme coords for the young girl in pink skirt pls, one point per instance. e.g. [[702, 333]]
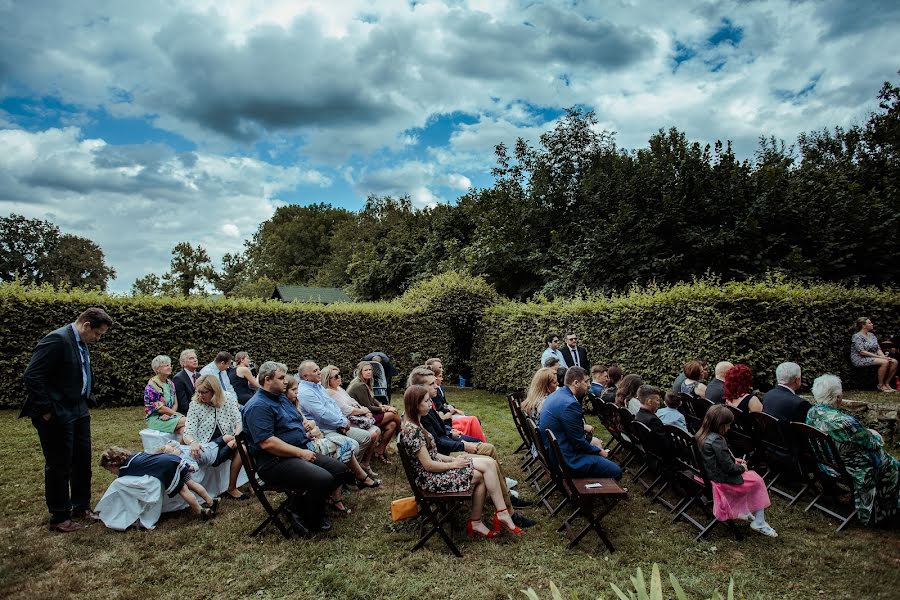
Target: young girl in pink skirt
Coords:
[[738, 493]]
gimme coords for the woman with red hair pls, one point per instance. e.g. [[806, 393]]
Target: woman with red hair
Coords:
[[739, 389]]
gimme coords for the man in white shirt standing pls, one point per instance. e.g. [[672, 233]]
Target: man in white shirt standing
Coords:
[[552, 351], [217, 369]]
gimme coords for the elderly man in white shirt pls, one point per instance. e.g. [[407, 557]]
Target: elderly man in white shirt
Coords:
[[217, 368]]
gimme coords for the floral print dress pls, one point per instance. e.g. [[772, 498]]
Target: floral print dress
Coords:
[[455, 480], [875, 483]]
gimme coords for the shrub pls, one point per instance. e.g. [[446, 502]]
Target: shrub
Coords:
[[653, 331], [146, 326]]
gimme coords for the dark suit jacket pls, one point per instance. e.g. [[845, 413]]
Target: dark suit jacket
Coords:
[[658, 429], [53, 378], [715, 391], [184, 390], [582, 357], [782, 403], [435, 426]]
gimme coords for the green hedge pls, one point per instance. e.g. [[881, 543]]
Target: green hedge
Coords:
[[146, 326], [654, 332]]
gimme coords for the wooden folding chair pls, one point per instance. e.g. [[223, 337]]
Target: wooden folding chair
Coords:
[[831, 471], [259, 487], [687, 409], [657, 464], [696, 484], [609, 418], [436, 508], [740, 436], [554, 481], [593, 499], [514, 400], [779, 455]]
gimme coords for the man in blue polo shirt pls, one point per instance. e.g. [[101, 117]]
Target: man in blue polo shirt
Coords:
[[277, 440]]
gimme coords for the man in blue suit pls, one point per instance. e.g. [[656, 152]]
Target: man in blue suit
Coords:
[[562, 414]]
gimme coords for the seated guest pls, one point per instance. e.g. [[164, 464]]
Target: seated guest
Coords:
[[553, 363], [466, 424], [276, 438], [782, 400], [186, 379], [669, 414], [362, 423], [599, 379], [562, 414], [739, 389], [560, 375], [387, 365], [626, 393], [318, 405], [649, 397], [542, 385], [876, 491], [160, 401], [552, 351], [213, 417], [166, 464], [715, 391], [453, 441], [615, 375], [704, 373], [385, 415], [436, 472], [738, 493], [866, 352], [241, 377], [692, 384], [218, 368]]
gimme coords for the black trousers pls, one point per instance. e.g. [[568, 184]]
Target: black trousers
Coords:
[[317, 479], [67, 465]]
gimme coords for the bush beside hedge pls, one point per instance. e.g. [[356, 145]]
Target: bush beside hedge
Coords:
[[145, 327], [654, 332]]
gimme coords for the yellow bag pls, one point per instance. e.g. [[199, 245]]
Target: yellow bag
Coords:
[[404, 508]]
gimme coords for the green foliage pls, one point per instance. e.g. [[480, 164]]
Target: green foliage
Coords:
[[654, 331], [35, 252], [641, 591], [145, 326]]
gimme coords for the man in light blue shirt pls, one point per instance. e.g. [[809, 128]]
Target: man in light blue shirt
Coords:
[[552, 351], [670, 415]]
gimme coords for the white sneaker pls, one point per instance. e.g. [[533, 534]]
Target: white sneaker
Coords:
[[764, 529], [511, 483]]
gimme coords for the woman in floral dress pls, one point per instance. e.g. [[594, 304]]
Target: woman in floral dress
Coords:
[[866, 352], [160, 399], [438, 473], [875, 472]]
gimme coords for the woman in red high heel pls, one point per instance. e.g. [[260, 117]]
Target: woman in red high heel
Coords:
[[438, 473]]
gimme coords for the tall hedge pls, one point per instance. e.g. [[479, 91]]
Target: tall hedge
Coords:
[[145, 327], [654, 332]]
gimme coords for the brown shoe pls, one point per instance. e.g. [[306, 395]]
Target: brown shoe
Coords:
[[87, 515], [66, 526]]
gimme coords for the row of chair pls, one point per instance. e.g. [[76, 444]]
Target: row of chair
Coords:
[[785, 454]]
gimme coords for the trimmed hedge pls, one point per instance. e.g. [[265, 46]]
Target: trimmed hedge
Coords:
[[653, 332], [146, 326]]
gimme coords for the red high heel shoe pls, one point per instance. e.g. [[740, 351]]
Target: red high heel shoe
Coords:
[[474, 534], [515, 530]]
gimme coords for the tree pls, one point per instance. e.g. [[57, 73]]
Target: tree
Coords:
[[234, 273], [190, 271], [148, 285], [34, 251]]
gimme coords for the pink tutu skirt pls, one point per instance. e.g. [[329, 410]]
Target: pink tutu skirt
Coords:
[[731, 500], [468, 426]]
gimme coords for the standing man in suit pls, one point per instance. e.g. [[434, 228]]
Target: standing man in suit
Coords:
[[782, 400], [59, 384], [562, 414], [573, 354], [186, 379]]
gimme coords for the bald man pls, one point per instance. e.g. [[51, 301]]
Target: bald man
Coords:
[[715, 391]]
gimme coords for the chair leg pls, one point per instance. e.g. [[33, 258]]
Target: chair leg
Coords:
[[437, 520]]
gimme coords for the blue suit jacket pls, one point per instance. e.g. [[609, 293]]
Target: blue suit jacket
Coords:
[[562, 414]]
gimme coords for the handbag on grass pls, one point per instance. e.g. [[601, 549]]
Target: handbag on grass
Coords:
[[404, 508]]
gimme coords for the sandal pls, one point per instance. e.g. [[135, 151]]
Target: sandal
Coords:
[[370, 472], [339, 506], [206, 514], [214, 507], [383, 458], [361, 483], [239, 498]]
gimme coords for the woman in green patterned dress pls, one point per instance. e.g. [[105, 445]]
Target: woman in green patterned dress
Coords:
[[160, 400], [875, 472]]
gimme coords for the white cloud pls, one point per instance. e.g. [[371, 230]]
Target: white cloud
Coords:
[[137, 202]]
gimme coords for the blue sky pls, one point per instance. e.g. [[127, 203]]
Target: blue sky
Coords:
[[141, 125]]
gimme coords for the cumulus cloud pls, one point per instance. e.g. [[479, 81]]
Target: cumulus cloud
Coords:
[[137, 202]]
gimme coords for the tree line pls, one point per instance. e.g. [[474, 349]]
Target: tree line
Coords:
[[576, 214]]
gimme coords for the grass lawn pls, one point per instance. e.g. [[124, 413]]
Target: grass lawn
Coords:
[[366, 556]]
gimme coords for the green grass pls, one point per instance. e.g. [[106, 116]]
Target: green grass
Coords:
[[367, 556]]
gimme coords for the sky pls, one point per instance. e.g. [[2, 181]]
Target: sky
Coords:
[[140, 125]]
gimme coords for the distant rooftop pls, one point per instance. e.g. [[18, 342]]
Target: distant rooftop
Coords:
[[296, 293]]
